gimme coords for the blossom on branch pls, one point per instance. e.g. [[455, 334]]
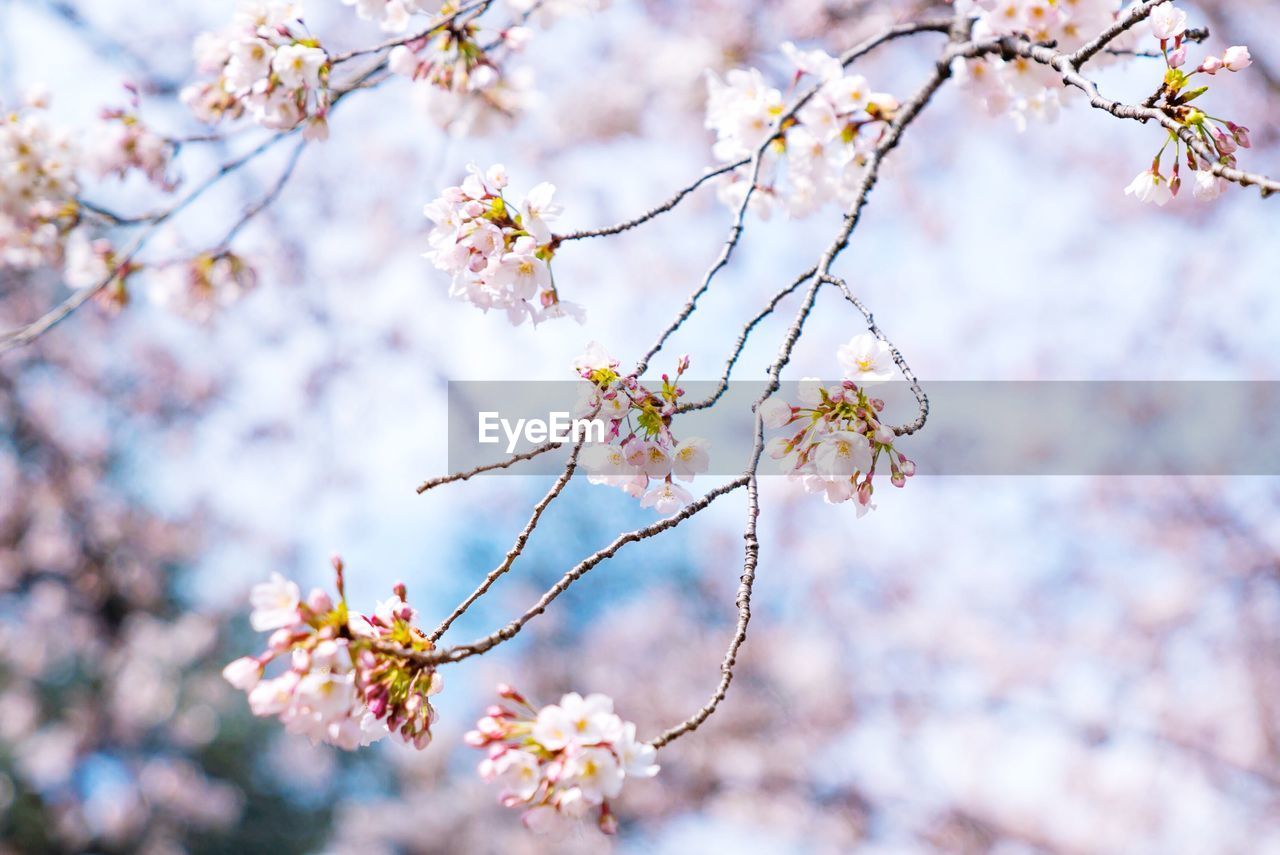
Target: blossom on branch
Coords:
[[38, 189], [200, 286], [124, 144], [561, 762], [837, 436], [819, 152], [349, 679], [640, 454], [1213, 141], [266, 65], [498, 253], [391, 15]]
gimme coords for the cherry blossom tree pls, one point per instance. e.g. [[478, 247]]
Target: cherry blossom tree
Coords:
[[120, 234]]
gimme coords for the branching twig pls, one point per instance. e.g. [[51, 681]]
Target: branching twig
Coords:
[[464, 651], [655, 211], [479, 7], [487, 467], [512, 554]]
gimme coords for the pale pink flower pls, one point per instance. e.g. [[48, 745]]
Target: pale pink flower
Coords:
[[1150, 186], [690, 458], [243, 673], [1167, 21], [275, 604], [1236, 58], [866, 359], [666, 498], [774, 413]]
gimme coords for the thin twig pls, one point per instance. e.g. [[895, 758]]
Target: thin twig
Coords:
[[464, 651], [512, 554], [28, 333], [655, 211], [266, 201], [487, 467], [756, 163], [768, 309], [479, 7]]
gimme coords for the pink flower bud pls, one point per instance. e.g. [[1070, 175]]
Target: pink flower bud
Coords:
[[1226, 143], [495, 711], [1236, 58], [608, 822], [400, 590], [864, 492], [898, 479], [1240, 134], [280, 640], [1211, 65], [243, 673], [475, 739], [1178, 57], [908, 467], [319, 602]]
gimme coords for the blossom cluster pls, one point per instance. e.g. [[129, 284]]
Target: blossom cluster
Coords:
[[499, 254], [463, 84], [391, 15], [349, 680], [125, 143], [37, 189], [266, 65], [1220, 136], [640, 455], [1019, 86], [837, 436], [823, 147], [198, 287], [561, 762], [93, 263]]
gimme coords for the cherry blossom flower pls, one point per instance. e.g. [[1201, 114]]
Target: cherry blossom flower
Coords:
[[461, 74], [666, 498], [266, 65], [1150, 186], [275, 604], [498, 255], [198, 287], [1208, 186], [840, 440], [866, 359], [95, 264], [690, 458], [38, 189], [350, 680], [775, 413], [124, 144], [1167, 22], [391, 15], [1236, 58], [561, 762], [243, 673], [640, 455], [823, 148]]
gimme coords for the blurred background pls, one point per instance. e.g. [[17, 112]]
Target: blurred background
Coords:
[[983, 665]]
